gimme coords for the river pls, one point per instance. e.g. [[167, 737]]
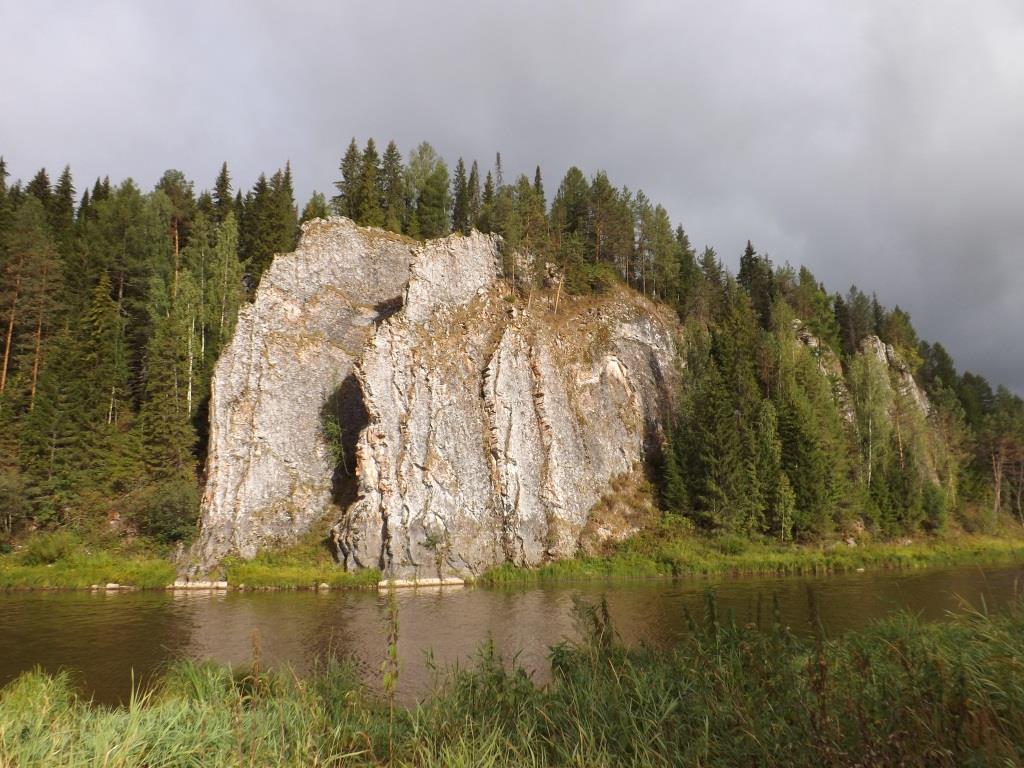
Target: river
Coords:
[[109, 640]]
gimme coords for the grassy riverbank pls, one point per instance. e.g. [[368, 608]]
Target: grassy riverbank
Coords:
[[665, 552], [57, 561], [899, 692], [62, 561]]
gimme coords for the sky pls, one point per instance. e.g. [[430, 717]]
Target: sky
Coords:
[[878, 142]]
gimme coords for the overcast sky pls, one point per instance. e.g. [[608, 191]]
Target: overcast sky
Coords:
[[880, 142]]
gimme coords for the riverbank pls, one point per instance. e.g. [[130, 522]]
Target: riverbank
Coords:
[[298, 567], [899, 692], [661, 552], [658, 553]]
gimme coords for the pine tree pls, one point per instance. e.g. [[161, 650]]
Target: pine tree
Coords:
[[178, 189], [29, 287]]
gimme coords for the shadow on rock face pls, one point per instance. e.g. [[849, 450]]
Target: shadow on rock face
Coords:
[[343, 417]]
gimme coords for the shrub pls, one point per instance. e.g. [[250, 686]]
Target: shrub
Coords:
[[48, 548], [13, 501], [936, 512], [168, 511]]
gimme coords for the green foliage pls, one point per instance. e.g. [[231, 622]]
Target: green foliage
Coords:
[[48, 548], [14, 503], [167, 511]]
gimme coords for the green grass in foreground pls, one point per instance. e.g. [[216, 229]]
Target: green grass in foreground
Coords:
[[665, 551], [900, 692]]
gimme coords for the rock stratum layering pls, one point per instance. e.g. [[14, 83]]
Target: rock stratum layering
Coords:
[[476, 428]]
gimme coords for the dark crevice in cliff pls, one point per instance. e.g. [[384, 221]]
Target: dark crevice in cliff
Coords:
[[344, 417], [388, 307]]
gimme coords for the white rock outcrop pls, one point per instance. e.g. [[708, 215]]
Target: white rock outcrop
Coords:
[[269, 470], [488, 426]]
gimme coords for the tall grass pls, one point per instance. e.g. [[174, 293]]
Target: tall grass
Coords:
[[80, 569], [901, 692], [664, 551]]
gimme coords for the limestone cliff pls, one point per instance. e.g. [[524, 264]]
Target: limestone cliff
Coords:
[[484, 427], [269, 471]]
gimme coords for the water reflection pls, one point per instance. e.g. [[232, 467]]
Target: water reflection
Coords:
[[106, 638]]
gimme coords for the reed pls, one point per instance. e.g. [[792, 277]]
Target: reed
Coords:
[[900, 692]]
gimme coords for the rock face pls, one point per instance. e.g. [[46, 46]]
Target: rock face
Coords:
[[485, 427], [269, 471], [899, 371]]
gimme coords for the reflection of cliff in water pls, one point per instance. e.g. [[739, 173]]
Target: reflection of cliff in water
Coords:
[[105, 639]]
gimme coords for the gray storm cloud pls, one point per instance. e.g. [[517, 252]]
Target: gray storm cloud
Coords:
[[877, 142]]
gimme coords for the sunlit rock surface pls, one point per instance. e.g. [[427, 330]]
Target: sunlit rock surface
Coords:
[[484, 428]]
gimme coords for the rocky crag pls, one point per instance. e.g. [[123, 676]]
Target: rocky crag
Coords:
[[476, 426]]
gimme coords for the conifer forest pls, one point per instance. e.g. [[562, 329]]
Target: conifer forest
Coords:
[[115, 302]]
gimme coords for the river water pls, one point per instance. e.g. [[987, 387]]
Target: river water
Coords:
[[110, 640]]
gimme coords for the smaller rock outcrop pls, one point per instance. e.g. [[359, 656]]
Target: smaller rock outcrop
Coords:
[[898, 369]]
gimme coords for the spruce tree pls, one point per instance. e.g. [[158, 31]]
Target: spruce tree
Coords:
[[475, 204], [284, 219], [393, 191], [460, 200], [62, 213], [40, 189], [346, 202], [370, 191], [223, 200], [483, 222], [432, 209]]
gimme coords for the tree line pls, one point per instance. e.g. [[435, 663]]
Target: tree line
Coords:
[[115, 305]]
